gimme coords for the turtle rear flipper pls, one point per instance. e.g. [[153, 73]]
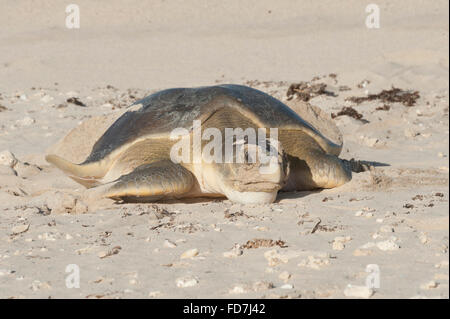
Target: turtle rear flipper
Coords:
[[87, 174], [150, 182]]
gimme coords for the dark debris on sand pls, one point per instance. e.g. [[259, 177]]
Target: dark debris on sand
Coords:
[[305, 91], [385, 107], [349, 111], [344, 88], [76, 101], [407, 98], [266, 84], [266, 243]]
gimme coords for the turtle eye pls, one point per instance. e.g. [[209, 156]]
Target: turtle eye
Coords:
[[250, 155], [268, 146]]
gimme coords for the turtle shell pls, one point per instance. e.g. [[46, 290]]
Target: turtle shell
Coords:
[[160, 113]]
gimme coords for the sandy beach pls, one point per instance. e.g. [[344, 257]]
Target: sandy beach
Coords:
[[389, 223]]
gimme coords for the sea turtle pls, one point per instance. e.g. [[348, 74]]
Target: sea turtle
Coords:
[[133, 159]]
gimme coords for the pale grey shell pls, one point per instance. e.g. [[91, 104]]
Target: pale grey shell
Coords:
[[166, 110]]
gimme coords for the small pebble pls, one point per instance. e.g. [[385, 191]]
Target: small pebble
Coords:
[[46, 98], [239, 289], [169, 244], [287, 286], [186, 282], [368, 245], [371, 141], [339, 242], [387, 229], [37, 285], [107, 105], [7, 158], [114, 251], [261, 228], [443, 263], [60, 203], [20, 229], [48, 236], [26, 121], [284, 276], [4, 272], [234, 252], [410, 133], [429, 285], [376, 235], [358, 291], [189, 253], [314, 262], [262, 285], [274, 258], [337, 245], [423, 238], [362, 252], [154, 294], [387, 245], [102, 254], [133, 281]]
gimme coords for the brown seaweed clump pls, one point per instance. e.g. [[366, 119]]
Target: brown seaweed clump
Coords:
[[349, 111], [385, 107], [76, 101], [305, 91], [407, 98], [257, 243]]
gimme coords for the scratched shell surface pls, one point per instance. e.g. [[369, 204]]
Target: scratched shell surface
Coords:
[[163, 111]]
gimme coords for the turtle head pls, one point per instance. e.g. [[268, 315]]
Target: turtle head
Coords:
[[255, 174]]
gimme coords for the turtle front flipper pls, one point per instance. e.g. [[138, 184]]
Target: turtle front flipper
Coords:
[[311, 167], [317, 170], [151, 182]]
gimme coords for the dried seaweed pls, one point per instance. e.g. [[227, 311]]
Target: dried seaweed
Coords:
[[407, 98], [385, 107], [305, 91], [76, 101], [257, 243], [349, 111]]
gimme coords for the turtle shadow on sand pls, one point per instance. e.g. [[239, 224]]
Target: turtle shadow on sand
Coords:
[[125, 155], [365, 166]]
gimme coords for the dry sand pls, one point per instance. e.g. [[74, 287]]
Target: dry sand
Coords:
[[305, 245]]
